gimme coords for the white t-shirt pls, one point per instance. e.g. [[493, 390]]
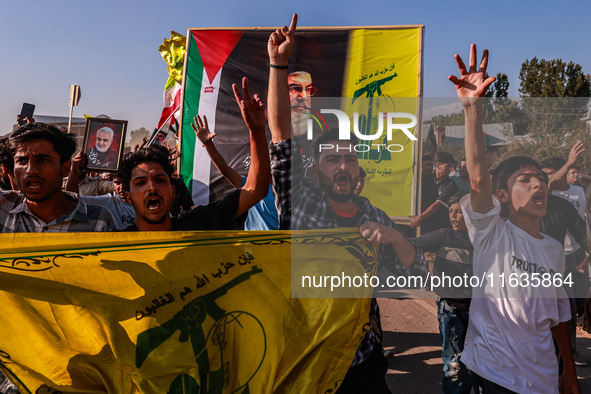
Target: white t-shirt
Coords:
[[509, 338], [576, 196]]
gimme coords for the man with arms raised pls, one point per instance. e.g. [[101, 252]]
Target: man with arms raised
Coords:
[[330, 202], [147, 173], [509, 344]]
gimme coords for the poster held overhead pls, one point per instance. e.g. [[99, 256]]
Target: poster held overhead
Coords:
[[103, 143]]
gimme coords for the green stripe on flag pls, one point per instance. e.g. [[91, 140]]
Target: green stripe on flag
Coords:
[[193, 82]]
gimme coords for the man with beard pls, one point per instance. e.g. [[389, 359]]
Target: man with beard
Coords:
[[147, 174], [300, 99], [300, 92], [100, 155], [329, 201]]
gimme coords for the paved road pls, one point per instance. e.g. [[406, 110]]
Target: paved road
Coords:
[[410, 328]]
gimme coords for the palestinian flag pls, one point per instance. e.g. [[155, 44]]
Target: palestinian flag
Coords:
[[362, 64]]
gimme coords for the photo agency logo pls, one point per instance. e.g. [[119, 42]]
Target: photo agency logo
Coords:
[[366, 141]]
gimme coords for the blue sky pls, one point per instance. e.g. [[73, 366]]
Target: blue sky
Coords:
[[110, 47]]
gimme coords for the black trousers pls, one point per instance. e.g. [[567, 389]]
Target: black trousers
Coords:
[[369, 377]]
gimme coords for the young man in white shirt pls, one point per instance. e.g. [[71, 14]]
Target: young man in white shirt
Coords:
[[509, 345]]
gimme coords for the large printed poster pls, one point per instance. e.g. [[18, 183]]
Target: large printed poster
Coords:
[[373, 72]]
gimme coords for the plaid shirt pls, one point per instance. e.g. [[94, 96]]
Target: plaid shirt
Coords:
[[16, 217], [311, 210]]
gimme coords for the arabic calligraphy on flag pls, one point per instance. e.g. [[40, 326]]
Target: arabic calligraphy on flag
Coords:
[[160, 312]]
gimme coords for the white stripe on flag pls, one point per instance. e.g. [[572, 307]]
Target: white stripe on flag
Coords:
[[202, 163]]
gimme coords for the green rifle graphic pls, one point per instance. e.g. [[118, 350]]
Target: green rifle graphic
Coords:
[[365, 123], [189, 322]]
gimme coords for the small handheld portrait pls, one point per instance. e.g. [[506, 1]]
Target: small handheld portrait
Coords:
[[103, 143]]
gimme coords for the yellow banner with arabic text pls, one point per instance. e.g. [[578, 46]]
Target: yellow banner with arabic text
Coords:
[[382, 76], [173, 312]]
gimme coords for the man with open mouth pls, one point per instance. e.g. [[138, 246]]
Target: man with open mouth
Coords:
[[147, 173], [42, 156], [329, 201]]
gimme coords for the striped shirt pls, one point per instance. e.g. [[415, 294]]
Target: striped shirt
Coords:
[[16, 217]]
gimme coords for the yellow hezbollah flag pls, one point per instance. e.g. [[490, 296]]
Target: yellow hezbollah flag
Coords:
[[382, 75], [175, 312]]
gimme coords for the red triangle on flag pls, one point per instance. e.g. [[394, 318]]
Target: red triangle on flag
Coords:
[[214, 47]]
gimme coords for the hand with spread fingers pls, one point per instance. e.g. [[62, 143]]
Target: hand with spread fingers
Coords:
[[472, 83], [201, 129], [281, 43], [574, 153], [252, 108]]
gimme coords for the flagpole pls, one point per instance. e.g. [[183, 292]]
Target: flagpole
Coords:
[[160, 128], [70, 119], [74, 99]]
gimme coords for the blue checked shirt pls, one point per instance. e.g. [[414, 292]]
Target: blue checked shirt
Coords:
[[16, 217], [309, 209]]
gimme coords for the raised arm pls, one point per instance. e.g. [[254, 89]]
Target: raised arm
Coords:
[[279, 47], [259, 173], [471, 87], [558, 177], [78, 167], [201, 129]]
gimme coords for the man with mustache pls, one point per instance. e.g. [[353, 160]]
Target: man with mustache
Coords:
[[42, 156], [330, 202], [100, 155], [300, 93], [147, 173]]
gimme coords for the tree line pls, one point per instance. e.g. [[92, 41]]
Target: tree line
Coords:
[[546, 118]]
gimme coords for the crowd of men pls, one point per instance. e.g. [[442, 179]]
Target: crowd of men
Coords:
[[495, 340]]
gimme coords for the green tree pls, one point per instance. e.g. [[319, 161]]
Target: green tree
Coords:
[[554, 99], [553, 78], [499, 108], [500, 87]]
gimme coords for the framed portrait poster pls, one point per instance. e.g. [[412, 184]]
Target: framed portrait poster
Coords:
[[103, 143]]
